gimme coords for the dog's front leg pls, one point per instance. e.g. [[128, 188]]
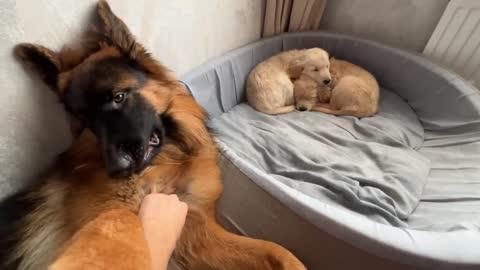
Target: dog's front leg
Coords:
[[113, 240], [206, 245]]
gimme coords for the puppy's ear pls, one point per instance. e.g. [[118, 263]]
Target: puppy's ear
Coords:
[[295, 69], [44, 61], [118, 33]]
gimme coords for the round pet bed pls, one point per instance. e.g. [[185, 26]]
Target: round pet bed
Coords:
[[400, 189]]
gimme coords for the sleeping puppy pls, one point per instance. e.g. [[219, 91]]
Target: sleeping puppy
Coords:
[[355, 91], [270, 86], [308, 93]]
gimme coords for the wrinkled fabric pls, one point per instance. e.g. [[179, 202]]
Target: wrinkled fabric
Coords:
[[368, 165], [442, 231]]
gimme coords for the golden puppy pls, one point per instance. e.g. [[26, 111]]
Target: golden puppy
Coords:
[[308, 93], [270, 86], [355, 91]]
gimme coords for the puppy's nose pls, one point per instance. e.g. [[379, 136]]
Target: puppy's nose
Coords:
[[326, 81], [302, 108]]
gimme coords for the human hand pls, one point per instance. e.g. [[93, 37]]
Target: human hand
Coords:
[[162, 217]]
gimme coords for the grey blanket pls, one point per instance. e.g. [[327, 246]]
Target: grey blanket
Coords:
[[370, 166]]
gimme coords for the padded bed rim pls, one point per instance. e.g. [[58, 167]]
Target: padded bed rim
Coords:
[[460, 249], [440, 250]]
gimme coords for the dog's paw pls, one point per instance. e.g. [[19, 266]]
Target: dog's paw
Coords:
[[282, 259]]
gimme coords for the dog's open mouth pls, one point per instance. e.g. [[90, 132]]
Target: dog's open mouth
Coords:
[[153, 143], [125, 159]]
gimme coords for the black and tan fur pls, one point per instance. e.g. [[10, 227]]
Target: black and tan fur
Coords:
[[84, 184]]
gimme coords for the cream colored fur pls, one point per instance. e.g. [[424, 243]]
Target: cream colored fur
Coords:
[[355, 91], [270, 86], [308, 93]]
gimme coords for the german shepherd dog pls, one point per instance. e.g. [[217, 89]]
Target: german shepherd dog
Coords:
[[136, 129]]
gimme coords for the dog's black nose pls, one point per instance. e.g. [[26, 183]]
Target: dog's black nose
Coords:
[[326, 81], [302, 108]]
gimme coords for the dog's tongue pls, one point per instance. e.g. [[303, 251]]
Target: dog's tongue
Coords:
[[148, 153], [154, 141]]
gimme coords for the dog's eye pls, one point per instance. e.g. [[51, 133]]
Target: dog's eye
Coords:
[[119, 97], [315, 69]]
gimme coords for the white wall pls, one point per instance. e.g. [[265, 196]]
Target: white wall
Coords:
[[186, 33], [406, 24], [180, 33]]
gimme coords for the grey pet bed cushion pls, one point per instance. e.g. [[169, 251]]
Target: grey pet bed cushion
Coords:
[[413, 193], [369, 166]]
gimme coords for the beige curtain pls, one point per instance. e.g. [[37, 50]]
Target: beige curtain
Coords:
[[292, 15]]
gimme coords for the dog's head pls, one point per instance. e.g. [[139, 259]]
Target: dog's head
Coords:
[[314, 63], [305, 92], [114, 88]]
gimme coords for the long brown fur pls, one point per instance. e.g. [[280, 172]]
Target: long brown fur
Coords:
[[116, 234], [79, 189]]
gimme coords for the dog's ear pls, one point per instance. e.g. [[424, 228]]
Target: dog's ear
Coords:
[[296, 68], [117, 32], [44, 61]]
